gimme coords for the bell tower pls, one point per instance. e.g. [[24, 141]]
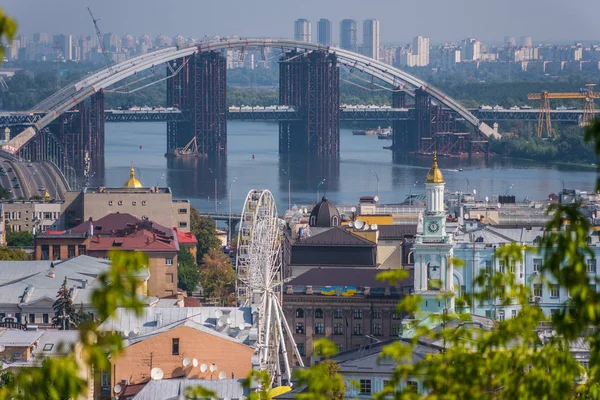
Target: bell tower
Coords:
[[434, 248]]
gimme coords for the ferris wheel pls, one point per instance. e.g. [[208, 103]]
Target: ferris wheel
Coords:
[[258, 273]]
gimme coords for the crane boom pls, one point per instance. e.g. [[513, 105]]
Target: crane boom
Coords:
[[107, 60]]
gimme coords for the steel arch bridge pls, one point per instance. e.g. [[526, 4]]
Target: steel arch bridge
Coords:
[[67, 98]]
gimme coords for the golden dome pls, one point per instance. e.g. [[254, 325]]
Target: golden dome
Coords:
[[132, 182], [47, 196], [435, 174]]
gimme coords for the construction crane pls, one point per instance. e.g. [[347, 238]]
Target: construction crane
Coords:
[[107, 59], [587, 94]]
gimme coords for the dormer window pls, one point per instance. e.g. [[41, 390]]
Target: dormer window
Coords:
[[335, 221]]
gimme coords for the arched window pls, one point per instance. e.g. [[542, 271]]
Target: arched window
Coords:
[[335, 221], [479, 239], [313, 221], [299, 313], [319, 313]]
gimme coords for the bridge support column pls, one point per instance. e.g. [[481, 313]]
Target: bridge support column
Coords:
[[400, 131], [422, 139], [178, 96], [95, 145], [310, 82]]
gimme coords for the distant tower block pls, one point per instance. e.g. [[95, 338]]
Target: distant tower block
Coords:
[[526, 41], [509, 41]]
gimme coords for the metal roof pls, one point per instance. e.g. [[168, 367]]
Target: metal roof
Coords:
[[171, 389]]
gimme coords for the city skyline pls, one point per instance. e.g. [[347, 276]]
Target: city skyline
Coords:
[[447, 22]]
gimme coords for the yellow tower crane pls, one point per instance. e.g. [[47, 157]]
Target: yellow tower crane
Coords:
[[587, 94]]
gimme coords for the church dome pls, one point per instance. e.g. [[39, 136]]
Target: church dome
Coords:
[[324, 215], [132, 182], [435, 174]]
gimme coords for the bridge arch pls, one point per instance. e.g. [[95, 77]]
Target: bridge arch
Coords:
[[73, 94]]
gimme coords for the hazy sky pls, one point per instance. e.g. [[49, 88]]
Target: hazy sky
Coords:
[[441, 20]]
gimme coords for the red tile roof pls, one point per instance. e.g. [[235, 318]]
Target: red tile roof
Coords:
[[185, 237], [141, 240]]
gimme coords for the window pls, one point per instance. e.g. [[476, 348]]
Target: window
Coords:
[[338, 313], [301, 349], [134, 203], [554, 291], [591, 266], [554, 311], [537, 264], [512, 266], [502, 292], [110, 203], [365, 386], [299, 313], [412, 386], [105, 379], [513, 313], [47, 215], [340, 347], [488, 267], [335, 221], [71, 251], [319, 328], [313, 220], [396, 330], [44, 318], [81, 249], [183, 211], [48, 346], [537, 290], [501, 315], [31, 318], [299, 327], [45, 252], [501, 268], [593, 288], [175, 347], [338, 329], [396, 315], [376, 330], [168, 261], [120, 202], [16, 356], [56, 252], [376, 314], [357, 313], [319, 313], [2, 316], [357, 329], [183, 224], [143, 202]]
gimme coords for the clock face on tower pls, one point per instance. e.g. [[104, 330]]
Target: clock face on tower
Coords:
[[433, 227]]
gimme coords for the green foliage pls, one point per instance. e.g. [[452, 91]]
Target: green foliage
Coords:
[[8, 28], [12, 254], [19, 239], [323, 381], [205, 231], [5, 194], [36, 197], [6, 376], [188, 273], [65, 315], [217, 278]]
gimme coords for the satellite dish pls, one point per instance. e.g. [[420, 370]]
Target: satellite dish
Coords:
[[241, 326], [136, 330], [213, 367], [353, 209], [351, 224], [117, 389], [195, 362], [374, 227], [126, 333], [467, 216], [156, 374], [186, 362], [487, 199], [474, 192], [203, 368], [222, 375], [358, 224], [499, 205], [366, 227], [220, 323], [376, 198], [218, 313], [305, 211]]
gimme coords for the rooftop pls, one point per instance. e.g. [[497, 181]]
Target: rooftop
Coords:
[[174, 388], [346, 277]]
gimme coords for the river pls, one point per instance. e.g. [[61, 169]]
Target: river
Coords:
[[352, 176]]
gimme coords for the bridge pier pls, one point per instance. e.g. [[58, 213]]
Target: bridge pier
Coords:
[[197, 86], [310, 82]]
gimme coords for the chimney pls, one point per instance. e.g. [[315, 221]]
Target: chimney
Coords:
[[91, 229], [159, 319], [84, 283], [7, 134]]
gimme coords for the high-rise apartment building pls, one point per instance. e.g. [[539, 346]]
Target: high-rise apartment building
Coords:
[[370, 45], [509, 41], [40, 37], [65, 45], [348, 34], [420, 49], [302, 30], [324, 32], [526, 41], [471, 50]]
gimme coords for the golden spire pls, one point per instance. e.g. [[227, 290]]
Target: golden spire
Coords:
[[132, 182], [47, 196], [435, 174]]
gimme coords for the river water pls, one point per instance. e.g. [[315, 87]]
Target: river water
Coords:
[[346, 179]]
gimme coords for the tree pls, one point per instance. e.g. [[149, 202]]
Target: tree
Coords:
[[217, 277], [188, 273], [65, 315], [205, 230], [19, 239], [10, 254]]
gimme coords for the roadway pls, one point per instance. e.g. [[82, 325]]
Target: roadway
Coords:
[[31, 179]]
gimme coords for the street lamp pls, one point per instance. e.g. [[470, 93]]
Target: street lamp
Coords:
[[510, 187], [229, 230], [318, 187], [289, 189], [410, 193], [216, 201], [376, 177]]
